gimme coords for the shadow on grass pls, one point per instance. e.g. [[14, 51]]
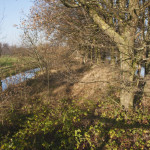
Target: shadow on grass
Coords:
[[13, 123]]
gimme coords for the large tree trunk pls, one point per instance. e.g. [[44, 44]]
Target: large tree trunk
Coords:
[[127, 83], [125, 43], [128, 68]]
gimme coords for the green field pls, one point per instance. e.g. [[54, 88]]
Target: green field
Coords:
[[10, 65], [8, 61]]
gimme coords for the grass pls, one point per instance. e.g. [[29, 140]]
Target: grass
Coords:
[[8, 61], [11, 65]]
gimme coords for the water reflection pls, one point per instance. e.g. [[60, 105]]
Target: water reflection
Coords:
[[18, 78]]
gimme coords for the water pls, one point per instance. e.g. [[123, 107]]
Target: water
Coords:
[[142, 72], [18, 78]]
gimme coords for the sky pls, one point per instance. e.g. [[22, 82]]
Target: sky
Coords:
[[12, 11]]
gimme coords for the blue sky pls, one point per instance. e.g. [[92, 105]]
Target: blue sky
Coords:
[[13, 11]]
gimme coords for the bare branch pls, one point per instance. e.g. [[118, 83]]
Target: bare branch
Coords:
[[69, 4]]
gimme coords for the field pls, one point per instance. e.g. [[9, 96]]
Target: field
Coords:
[[10, 65], [8, 61]]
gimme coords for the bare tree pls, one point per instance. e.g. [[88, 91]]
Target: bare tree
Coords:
[[71, 26]]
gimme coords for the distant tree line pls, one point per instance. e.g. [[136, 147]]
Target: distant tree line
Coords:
[[6, 49]]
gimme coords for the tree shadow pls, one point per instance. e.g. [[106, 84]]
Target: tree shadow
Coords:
[[112, 123], [139, 94]]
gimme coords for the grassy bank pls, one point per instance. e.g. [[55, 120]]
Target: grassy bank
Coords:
[[10, 65]]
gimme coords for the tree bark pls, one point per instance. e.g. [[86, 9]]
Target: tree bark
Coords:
[[128, 68], [127, 80]]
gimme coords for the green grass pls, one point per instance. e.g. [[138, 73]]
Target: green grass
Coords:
[[8, 61], [11, 65]]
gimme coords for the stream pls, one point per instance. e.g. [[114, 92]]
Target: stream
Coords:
[[18, 78], [21, 77]]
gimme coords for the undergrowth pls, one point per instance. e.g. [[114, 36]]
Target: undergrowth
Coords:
[[71, 126]]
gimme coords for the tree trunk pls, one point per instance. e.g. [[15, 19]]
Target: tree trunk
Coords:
[[126, 98], [127, 77], [0, 85]]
